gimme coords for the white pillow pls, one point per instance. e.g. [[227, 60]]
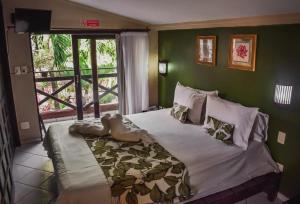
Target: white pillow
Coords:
[[191, 99], [212, 93], [183, 95], [260, 127], [240, 116], [197, 108]]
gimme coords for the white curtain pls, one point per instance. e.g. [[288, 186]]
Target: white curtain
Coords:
[[133, 72]]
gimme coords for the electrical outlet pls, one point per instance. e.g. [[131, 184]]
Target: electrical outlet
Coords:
[[280, 166], [24, 69], [281, 137], [25, 125]]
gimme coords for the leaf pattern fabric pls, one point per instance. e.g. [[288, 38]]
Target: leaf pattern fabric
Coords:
[[140, 172], [179, 112], [220, 130]]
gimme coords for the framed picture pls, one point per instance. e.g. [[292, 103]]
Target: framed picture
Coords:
[[242, 52], [206, 50]]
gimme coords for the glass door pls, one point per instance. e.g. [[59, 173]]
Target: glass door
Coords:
[[75, 75], [54, 76], [88, 69], [95, 74], [106, 59]]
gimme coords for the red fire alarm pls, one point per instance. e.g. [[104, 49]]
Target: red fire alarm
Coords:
[[91, 23]]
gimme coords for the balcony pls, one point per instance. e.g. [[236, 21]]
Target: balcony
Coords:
[[57, 98]]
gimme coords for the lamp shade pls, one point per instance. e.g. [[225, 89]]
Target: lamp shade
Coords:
[[283, 94], [163, 67]]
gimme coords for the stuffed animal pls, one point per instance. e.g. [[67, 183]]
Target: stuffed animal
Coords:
[[112, 124], [122, 133], [90, 129]]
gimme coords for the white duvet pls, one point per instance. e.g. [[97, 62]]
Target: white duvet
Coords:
[[213, 166]]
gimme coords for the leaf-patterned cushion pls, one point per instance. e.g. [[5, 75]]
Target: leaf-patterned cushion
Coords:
[[220, 130], [179, 112]]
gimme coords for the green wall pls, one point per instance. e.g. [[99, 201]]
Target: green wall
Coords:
[[277, 61]]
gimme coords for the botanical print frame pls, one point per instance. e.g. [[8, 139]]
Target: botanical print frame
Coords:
[[242, 52], [206, 50]]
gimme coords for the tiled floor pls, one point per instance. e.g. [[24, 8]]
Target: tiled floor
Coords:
[[260, 198], [35, 181], [33, 175]]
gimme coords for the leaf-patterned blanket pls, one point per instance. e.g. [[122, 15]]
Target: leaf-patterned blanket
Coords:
[[140, 172]]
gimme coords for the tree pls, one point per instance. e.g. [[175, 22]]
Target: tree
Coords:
[[60, 45], [107, 60], [50, 53]]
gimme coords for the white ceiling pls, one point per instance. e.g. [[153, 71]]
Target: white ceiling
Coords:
[[176, 11]]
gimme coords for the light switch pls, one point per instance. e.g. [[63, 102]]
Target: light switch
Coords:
[[281, 137], [25, 125], [18, 70], [280, 166]]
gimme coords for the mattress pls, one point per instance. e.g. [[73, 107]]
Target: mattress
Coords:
[[213, 166]]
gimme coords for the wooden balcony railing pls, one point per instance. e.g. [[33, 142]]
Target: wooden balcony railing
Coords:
[[71, 112], [44, 77]]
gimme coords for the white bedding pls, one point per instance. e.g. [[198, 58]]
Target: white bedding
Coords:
[[213, 166]]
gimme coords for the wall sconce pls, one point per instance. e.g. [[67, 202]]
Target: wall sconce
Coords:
[[163, 67], [283, 94]]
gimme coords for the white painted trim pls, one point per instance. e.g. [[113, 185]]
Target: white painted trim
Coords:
[[282, 197]]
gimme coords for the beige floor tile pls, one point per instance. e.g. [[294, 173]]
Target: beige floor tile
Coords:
[[50, 185], [35, 178], [20, 171], [260, 198], [20, 157], [36, 162], [21, 190], [33, 148], [33, 174], [37, 196]]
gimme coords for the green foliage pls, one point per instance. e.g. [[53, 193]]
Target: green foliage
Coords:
[[108, 98], [54, 52], [84, 56], [107, 55], [61, 45], [51, 52]]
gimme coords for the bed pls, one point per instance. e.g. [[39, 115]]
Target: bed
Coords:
[[217, 171]]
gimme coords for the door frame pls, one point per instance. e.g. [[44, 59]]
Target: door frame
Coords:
[[75, 35]]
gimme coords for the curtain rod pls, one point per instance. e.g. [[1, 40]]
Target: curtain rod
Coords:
[[87, 31], [94, 31]]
